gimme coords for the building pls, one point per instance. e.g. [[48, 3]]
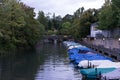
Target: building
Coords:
[[94, 31]]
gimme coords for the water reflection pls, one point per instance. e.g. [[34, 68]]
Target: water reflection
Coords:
[[50, 63], [56, 65], [22, 67]]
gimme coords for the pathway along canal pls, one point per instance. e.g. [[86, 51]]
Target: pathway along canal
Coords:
[[50, 63]]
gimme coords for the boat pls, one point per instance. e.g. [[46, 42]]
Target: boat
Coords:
[[113, 75], [92, 63], [93, 73], [109, 65], [90, 57]]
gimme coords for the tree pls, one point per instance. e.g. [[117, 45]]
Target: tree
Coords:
[[81, 24], [74, 30], [79, 12], [50, 25], [33, 29], [54, 22], [18, 28], [65, 28], [108, 18], [67, 18], [116, 12], [43, 19], [13, 22]]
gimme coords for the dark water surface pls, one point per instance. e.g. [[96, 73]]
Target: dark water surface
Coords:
[[50, 63]]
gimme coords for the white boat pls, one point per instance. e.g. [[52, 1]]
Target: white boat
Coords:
[[92, 63], [109, 65]]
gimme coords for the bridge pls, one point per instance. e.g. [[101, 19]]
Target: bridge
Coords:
[[56, 38]]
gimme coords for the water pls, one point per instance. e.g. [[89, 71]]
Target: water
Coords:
[[50, 63]]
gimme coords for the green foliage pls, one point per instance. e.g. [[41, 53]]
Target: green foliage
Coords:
[[109, 17], [51, 32], [56, 22], [67, 18], [106, 17], [65, 28], [87, 18], [18, 28], [82, 22], [74, 30], [116, 11], [66, 25], [42, 19], [49, 23]]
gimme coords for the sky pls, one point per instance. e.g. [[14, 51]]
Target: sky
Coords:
[[62, 7]]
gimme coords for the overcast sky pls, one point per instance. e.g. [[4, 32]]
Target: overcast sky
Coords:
[[62, 7]]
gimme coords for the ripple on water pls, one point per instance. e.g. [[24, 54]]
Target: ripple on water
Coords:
[[57, 67]]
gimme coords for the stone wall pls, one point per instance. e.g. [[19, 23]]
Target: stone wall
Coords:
[[105, 42], [106, 46]]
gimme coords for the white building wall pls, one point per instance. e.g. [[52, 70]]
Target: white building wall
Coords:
[[95, 31]]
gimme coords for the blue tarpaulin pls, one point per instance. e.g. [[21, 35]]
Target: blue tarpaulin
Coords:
[[90, 57]]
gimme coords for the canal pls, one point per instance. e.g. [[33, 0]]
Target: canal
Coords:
[[48, 62]]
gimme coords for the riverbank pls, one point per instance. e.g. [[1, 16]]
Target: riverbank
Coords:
[[106, 46]]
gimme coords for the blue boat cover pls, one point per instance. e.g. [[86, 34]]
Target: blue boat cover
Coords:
[[90, 57]]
